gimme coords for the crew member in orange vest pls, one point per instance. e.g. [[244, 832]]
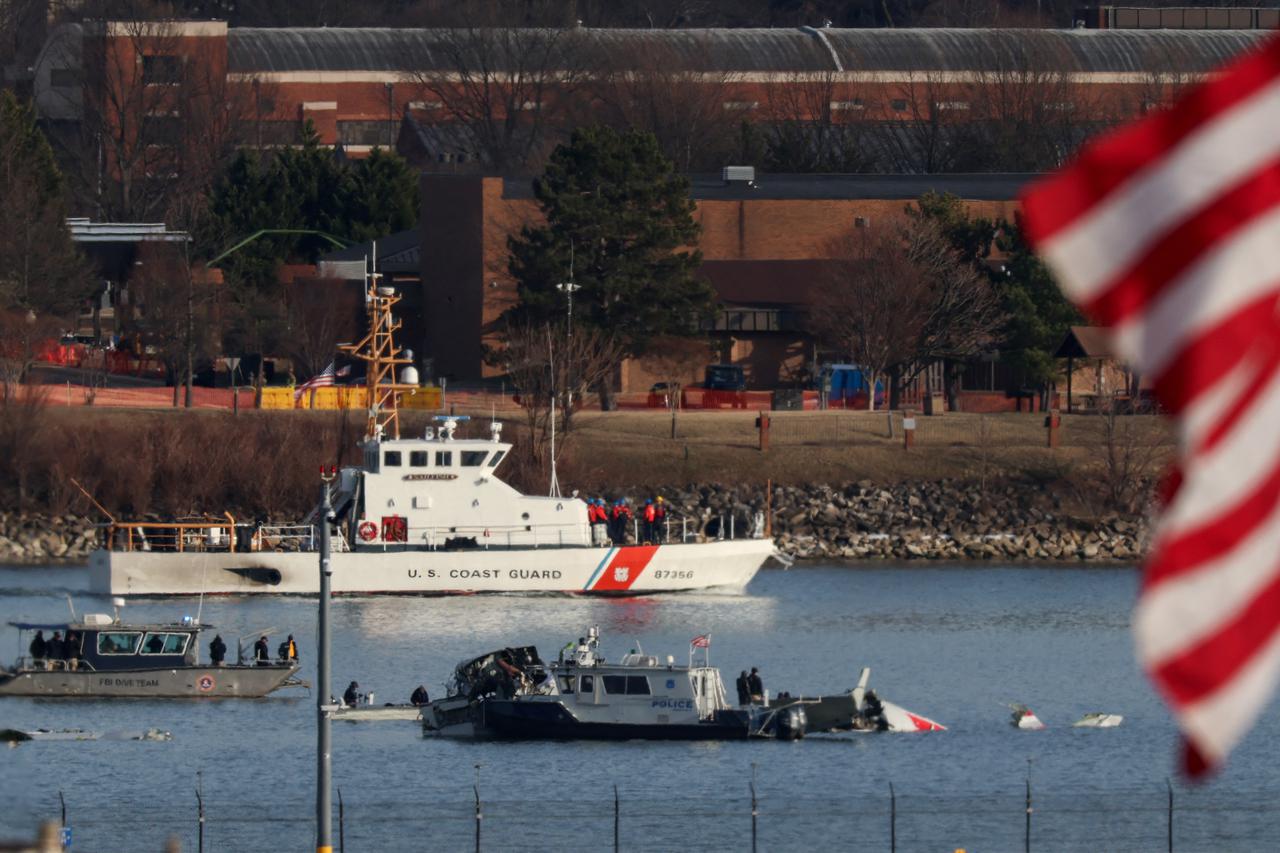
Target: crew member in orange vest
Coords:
[[650, 515]]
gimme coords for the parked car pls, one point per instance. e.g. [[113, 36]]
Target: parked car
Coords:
[[725, 377]]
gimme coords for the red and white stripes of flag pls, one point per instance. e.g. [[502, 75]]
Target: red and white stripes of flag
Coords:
[[1168, 233], [702, 641]]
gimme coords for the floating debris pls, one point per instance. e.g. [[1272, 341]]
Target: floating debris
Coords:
[[1024, 718], [1098, 720]]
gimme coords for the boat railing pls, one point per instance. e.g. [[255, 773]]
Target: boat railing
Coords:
[[215, 536], [176, 536], [26, 662]]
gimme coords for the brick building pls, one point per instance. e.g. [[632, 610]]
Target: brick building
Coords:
[[358, 85], [763, 248]]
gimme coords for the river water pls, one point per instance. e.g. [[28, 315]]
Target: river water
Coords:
[[952, 642]]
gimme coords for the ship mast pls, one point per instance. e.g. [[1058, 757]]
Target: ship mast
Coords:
[[378, 351]]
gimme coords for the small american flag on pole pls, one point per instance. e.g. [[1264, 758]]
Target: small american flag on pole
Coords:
[[702, 641], [1168, 233], [324, 378]]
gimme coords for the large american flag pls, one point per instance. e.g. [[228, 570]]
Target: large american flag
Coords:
[[1168, 231], [702, 641], [324, 378]]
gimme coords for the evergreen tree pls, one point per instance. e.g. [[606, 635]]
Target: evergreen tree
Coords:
[[380, 197], [1039, 316], [616, 212], [41, 270]]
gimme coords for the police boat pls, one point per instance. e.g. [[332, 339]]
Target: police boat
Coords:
[[100, 656], [513, 693]]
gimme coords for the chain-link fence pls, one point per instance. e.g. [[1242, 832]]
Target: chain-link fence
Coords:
[[1018, 818], [885, 429], [965, 430]]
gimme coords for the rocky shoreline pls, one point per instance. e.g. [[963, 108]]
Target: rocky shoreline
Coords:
[[940, 520], [39, 538]]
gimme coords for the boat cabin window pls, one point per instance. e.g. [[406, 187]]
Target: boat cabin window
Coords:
[[164, 644], [391, 458], [497, 457], [587, 684], [419, 458], [566, 684], [444, 458], [118, 643], [626, 685], [473, 458]]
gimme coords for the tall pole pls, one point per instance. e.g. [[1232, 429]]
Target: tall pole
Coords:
[[324, 775]]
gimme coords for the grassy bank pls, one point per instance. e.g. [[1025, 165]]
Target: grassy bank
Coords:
[[176, 462]]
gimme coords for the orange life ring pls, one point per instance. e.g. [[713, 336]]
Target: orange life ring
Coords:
[[368, 531]]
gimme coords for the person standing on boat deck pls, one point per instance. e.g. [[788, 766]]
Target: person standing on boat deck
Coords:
[[217, 650], [261, 652], [649, 516], [659, 520], [599, 518], [36, 649], [617, 531], [755, 685], [71, 650], [351, 698], [53, 651], [288, 650], [420, 697], [744, 692]]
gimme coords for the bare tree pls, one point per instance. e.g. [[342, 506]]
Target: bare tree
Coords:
[[550, 369], [873, 305], [501, 86], [159, 118], [961, 309], [176, 317], [321, 313], [691, 111], [1026, 114], [819, 124], [927, 110], [676, 361]]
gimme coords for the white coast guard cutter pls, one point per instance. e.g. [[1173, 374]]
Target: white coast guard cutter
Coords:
[[425, 515]]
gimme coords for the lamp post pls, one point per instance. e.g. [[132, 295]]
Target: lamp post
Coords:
[[568, 288], [324, 723]]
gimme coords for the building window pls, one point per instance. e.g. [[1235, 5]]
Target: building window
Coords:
[[426, 105], [899, 105], [366, 132], [951, 105], [161, 70], [855, 104], [741, 105]]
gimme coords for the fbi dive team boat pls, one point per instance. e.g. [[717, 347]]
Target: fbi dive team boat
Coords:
[[426, 515], [104, 657]]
